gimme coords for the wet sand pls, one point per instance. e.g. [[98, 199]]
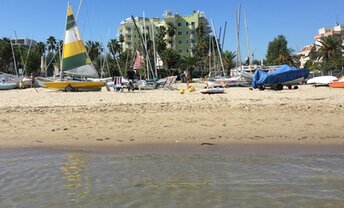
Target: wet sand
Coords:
[[44, 118]]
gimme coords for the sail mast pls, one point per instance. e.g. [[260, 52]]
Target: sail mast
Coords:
[[218, 48], [14, 58], [154, 52], [238, 62], [63, 49], [247, 42]]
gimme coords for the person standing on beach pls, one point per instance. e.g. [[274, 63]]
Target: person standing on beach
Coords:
[[32, 83], [187, 78]]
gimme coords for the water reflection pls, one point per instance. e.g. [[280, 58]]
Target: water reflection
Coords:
[[77, 181], [87, 179]]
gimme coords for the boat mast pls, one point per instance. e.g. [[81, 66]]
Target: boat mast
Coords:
[[64, 38], [247, 42], [238, 62], [141, 37], [218, 48], [154, 52], [77, 14], [209, 54], [224, 35], [14, 58]]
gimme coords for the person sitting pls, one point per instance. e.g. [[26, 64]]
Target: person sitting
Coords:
[[131, 77]]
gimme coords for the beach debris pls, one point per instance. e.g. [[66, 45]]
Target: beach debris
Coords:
[[206, 143], [181, 91], [99, 139], [65, 129], [39, 141], [132, 140]]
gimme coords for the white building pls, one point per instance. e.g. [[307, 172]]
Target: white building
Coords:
[[24, 42], [304, 54]]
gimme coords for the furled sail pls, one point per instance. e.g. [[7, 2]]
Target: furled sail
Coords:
[[75, 59]]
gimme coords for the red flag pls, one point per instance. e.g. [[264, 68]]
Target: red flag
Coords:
[[138, 61]]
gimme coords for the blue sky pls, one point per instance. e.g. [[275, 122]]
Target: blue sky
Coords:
[[297, 20]]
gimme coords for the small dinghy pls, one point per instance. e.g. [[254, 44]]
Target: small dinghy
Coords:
[[7, 85], [212, 91]]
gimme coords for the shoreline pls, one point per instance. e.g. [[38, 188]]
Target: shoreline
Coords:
[[308, 116]]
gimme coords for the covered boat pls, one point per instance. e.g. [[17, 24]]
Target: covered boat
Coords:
[[282, 76]]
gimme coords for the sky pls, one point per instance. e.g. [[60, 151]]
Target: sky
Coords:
[[98, 20]]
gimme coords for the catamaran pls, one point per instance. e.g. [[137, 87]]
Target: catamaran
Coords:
[[75, 61]]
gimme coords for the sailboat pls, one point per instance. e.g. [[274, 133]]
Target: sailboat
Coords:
[[8, 81], [75, 61]]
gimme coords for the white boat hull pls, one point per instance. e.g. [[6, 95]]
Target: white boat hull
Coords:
[[8, 86]]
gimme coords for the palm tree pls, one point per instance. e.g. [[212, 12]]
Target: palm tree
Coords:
[[330, 53], [114, 47], [94, 48], [40, 47], [51, 43], [171, 31], [160, 39], [189, 63], [170, 58], [228, 58]]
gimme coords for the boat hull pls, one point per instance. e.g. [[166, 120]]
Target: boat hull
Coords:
[[212, 91], [337, 84], [8, 86], [74, 85]]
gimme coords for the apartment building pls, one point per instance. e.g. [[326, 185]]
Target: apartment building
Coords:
[[23, 42], [337, 30], [184, 40]]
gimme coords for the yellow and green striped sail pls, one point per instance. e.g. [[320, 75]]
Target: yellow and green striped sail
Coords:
[[75, 59]]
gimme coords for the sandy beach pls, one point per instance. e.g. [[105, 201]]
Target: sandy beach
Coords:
[[41, 117]]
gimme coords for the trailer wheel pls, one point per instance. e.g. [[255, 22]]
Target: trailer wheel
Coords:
[[69, 88], [279, 87], [260, 87], [296, 87]]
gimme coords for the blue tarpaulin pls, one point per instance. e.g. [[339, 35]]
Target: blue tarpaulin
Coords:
[[281, 75]]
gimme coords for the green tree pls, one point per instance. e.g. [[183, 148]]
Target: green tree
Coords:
[[330, 53], [51, 43], [114, 47], [189, 63], [278, 52], [33, 64], [160, 39], [170, 58], [171, 31], [40, 47], [228, 58], [6, 57], [94, 49]]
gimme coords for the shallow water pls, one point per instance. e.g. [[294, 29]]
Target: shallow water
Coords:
[[75, 178]]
